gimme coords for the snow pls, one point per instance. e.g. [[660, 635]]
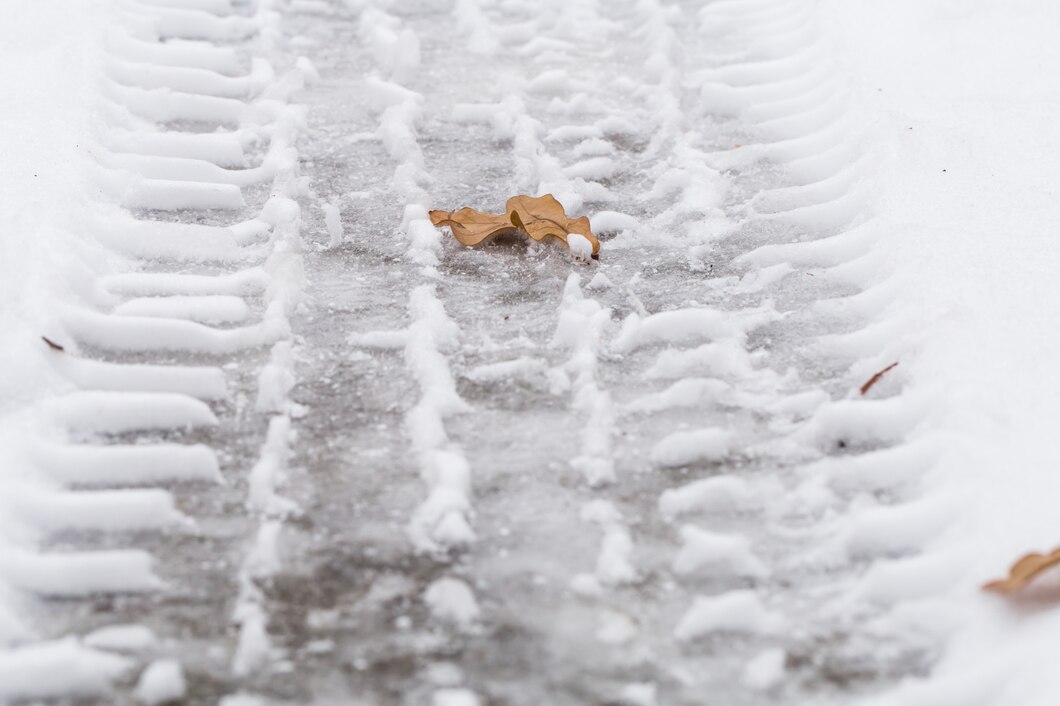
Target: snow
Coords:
[[614, 565], [897, 160], [639, 695], [766, 670], [51, 56], [122, 638], [161, 682], [726, 359], [117, 412], [80, 573], [57, 669], [204, 383], [333, 221], [455, 697], [127, 465], [580, 329], [690, 392], [705, 552], [963, 108], [270, 472], [712, 494], [242, 699], [580, 246], [205, 309], [683, 448], [736, 611], [451, 599]]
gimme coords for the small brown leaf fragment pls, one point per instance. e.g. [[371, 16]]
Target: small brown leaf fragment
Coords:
[[876, 378], [538, 217], [1024, 571], [52, 344]]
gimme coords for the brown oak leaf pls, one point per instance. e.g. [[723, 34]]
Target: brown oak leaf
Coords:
[[1024, 571], [538, 217]]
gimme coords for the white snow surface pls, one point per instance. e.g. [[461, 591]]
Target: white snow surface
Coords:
[[961, 100], [50, 53], [162, 682]]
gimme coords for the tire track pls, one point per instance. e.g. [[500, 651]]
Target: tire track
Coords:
[[146, 351]]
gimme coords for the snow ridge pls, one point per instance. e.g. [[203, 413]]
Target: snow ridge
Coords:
[[79, 438], [773, 70], [442, 525]]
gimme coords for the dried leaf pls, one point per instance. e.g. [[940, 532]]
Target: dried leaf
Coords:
[[1024, 571], [52, 344], [538, 217], [876, 378]]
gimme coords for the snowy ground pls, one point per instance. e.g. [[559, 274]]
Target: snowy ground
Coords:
[[300, 447]]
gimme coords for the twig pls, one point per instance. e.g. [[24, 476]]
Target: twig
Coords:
[[52, 344], [876, 378]]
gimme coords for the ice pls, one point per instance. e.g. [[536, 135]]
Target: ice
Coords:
[[522, 369]]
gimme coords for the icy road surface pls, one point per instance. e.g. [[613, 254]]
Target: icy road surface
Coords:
[[313, 451]]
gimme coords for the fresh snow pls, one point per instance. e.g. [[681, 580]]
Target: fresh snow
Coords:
[[161, 683]]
